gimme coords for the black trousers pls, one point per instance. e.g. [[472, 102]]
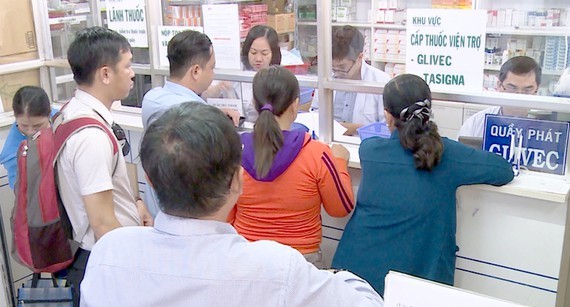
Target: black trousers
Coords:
[[76, 272]]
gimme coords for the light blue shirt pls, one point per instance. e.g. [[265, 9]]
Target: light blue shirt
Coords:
[[190, 262], [160, 99], [155, 102], [8, 156]]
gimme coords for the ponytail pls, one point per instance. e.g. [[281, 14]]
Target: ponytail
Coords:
[[419, 134], [268, 139], [274, 90]]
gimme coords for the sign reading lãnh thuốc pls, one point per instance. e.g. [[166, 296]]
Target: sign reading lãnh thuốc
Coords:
[[446, 48], [128, 18], [541, 145]]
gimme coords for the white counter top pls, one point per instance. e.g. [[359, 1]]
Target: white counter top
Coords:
[[527, 184]]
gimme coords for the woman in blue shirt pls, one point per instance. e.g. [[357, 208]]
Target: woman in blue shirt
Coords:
[[405, 216], [31, 106]]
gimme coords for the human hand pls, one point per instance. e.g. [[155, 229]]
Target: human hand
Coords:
[[351, 128], [340, 151], [145, 216], [233, 114]]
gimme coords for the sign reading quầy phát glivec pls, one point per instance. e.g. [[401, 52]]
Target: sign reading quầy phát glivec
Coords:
[[540, 145], [446, 48]]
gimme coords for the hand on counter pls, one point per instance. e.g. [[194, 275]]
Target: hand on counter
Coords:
[[339, 151], [351, 128]]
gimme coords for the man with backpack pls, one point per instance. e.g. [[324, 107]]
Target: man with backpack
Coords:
[[93, 181]]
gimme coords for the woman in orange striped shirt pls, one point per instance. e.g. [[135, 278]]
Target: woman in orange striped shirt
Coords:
[[287, 174]]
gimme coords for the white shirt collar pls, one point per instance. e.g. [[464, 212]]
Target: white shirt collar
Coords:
[[95, 104], [188, 227]]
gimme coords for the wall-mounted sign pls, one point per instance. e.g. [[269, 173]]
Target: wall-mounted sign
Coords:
[[539, 145], [165, 34], [128, 17], [446, 48]]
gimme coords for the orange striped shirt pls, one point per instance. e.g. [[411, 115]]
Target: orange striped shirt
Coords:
[[288, 209]]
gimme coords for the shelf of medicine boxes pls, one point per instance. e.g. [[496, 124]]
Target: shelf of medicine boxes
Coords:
[[199, 2], [357, 25], [544, 72], [68, 19], [531, 31]]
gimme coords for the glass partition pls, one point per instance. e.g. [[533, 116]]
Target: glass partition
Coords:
[[538, 30]]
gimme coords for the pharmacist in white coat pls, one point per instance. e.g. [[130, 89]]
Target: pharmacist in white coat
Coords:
[[353, 109], [518, 75]]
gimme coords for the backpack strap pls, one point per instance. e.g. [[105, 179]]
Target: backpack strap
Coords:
[[62, 132], [65, 130]]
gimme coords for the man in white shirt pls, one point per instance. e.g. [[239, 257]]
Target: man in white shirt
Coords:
[[354, 110], [192, 256], [519, 75], [93, 181]]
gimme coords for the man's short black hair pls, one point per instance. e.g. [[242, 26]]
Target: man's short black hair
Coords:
[[521, 65], [188, 48], [347, 42], [93, 48], [190, 155]]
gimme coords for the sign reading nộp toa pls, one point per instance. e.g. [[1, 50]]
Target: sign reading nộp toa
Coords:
[[128, 18], [446, 48], [165, 34], [542, 145]]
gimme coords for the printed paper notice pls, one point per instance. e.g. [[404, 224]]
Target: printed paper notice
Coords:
[[224, 103], [128, 18], [165, 34], [446, 48], [221, 24]]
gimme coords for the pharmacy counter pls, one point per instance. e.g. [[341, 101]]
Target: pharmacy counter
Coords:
[[510, 238]]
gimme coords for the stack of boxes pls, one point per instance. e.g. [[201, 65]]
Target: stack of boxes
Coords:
[[183, 15], [251, 15], [389, 45], [554, 17], [393, 70], [280, 16], [307, 12], [367, 39], [343, 10], [555, 53], [451, 4], [391, 12]]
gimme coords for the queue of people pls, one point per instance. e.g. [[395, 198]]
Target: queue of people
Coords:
[[235, 220]]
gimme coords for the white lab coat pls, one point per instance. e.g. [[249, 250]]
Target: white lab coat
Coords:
[[368, 108], [475, 124]]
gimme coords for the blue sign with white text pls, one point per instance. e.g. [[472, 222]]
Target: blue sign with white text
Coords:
[[538, 145]]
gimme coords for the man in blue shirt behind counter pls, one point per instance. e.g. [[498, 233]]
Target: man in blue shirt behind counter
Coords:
[[192, 256], [192, 62]]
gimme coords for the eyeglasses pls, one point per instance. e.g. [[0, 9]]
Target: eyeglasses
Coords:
[[337, 72], [515, 90]]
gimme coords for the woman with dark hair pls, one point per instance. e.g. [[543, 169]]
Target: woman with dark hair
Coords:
[[259, 50], [32, 110], [405, 218], [287, 174]]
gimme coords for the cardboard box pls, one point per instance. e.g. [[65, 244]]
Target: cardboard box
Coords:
[[12, 82], [275, 6], [282, 23], [17, 34]]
